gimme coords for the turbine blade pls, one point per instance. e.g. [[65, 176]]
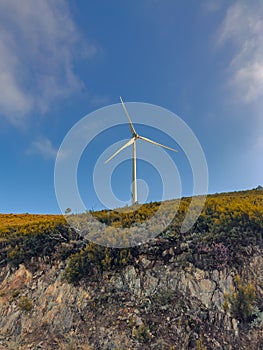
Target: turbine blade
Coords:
[[127, 144], [156, 143], [129, 119]]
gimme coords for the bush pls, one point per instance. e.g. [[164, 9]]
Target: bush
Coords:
[[15, 293], [142, 333], [78, 266], [213, 256], [95, 258], [35, 241], [25, 304], [258, 318], [241, 301]]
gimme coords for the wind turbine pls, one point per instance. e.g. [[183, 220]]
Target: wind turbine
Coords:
[[132, 142]]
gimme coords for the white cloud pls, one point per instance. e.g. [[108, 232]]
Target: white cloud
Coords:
[[38, 43], [43, 147], [243, 29]]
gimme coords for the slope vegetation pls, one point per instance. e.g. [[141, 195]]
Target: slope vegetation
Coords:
[[198, 290]]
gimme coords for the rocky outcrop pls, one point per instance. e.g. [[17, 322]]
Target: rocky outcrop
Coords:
[[159, 301]]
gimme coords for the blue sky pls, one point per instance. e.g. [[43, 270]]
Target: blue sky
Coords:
[[61, 60]]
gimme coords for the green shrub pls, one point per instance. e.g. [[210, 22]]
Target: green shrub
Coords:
[[15, 256], [258, 318], [242, 301], [142, 333], [15, 293], [25, 245], [200, 345], [25, 304], [94, 258], [78, 266]]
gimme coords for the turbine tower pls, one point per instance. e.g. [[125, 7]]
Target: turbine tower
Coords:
[[132, 142]]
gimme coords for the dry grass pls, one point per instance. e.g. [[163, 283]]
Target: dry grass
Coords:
[[16, 220], [26, 223]]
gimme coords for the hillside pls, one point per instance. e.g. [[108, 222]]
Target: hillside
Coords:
[[198, 290]]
